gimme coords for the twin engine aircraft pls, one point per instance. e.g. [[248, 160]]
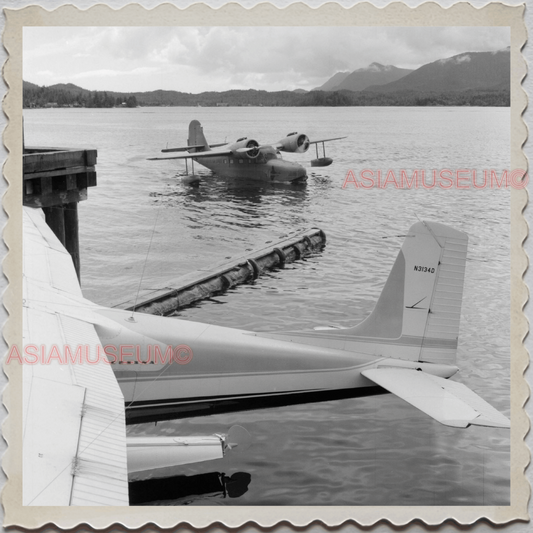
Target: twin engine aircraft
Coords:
[[246, 158]]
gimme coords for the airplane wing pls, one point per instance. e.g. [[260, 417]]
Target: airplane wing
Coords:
[[195, 155], [74, 433], [326, 140], [279, 145], [74, 445], [448, 402], [187, 148]]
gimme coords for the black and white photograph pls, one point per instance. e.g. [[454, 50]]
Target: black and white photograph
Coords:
[[267, 266]]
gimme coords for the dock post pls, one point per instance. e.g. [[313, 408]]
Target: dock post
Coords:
[[54, 216], [72, 241], [55, 180]]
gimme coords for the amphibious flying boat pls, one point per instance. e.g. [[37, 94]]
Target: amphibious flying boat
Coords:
[[74, 447], [246, 158]]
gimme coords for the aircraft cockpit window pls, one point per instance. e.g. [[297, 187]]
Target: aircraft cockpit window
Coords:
[[242, 139]]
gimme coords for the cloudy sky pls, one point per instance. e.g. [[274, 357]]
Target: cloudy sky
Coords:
[[197, 59]]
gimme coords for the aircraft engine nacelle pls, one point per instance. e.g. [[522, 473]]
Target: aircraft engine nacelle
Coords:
[[295, 142], [245, 148]]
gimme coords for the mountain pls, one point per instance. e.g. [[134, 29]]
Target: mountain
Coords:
[[69, 87], [27, 85], [374, 74], [470, 70], [468, 79], [333, 82]]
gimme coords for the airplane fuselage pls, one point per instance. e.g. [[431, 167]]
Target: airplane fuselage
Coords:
[[266, 167], [212, 369], [246, 158]]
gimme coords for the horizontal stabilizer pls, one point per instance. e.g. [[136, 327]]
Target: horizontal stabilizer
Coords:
[[448, 402]]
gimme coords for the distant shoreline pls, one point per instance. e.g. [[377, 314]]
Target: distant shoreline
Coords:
[[68, 95]]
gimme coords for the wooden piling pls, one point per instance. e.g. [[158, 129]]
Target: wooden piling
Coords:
[[56, 179], [72, 240], [55, 219], [213, 280]]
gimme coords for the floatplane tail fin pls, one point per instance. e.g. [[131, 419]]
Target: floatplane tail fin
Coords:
[[196, 144], [414, 329], [416, 319], [418, 313], [197, 140]]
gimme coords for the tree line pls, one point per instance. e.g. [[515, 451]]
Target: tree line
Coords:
[[496, 98], [51, 97], [72, 96]]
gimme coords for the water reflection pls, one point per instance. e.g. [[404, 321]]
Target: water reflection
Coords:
[[214, 188], [181, 490]]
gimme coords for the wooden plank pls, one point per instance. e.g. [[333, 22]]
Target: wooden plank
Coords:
[[90, 156], [37, 149], [58, 172], [91, 179], [42, 161], [52, 160]]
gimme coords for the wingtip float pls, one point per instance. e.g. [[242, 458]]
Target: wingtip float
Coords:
[[246, 158], [149, 453]]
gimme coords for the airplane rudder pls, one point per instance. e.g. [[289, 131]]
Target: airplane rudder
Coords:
[[196, 135], [435, 283]]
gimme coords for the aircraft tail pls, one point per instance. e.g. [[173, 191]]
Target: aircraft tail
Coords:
[[197, 140], [418, 313]]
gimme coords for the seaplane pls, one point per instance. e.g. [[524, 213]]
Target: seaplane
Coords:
[[147, 368], [246, 158]]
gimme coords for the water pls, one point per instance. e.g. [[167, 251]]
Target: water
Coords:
[[364, 451]]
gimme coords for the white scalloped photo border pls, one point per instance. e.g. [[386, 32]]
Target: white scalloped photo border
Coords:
[[331, 14]]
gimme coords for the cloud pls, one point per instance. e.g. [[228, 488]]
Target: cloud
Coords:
[[108, 73], [457, 59], [195, 59]]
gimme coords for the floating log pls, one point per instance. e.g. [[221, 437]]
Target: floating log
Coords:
[[56, 179], [204, 283]]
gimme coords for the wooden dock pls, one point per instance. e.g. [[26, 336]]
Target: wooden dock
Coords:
[[56, 179], [213, 280]]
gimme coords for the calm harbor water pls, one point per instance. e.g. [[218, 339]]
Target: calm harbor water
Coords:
[[365, 451]]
